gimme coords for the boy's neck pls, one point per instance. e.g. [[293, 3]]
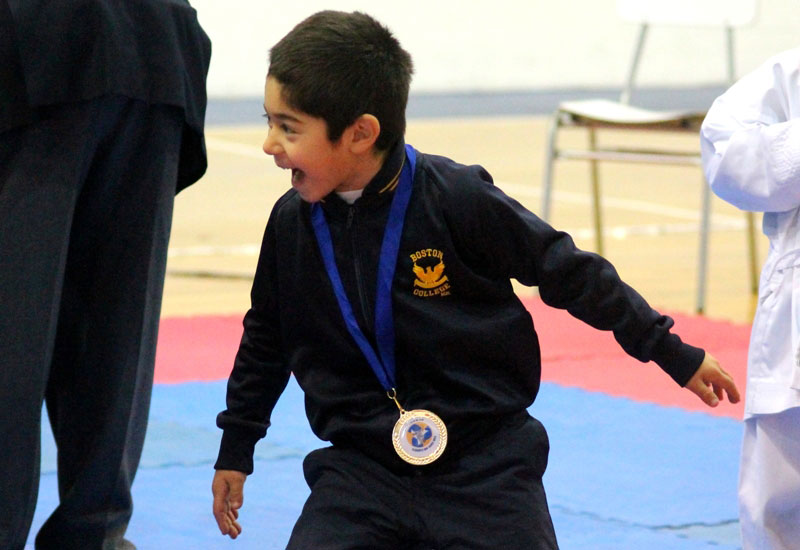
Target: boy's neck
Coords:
[[365, 170]]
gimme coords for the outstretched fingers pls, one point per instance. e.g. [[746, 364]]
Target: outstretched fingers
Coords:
[[228, 490], [711, 383]]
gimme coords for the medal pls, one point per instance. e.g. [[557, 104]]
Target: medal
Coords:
[[419, 436]]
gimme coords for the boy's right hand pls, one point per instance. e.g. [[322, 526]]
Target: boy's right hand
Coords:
[[228, 490]]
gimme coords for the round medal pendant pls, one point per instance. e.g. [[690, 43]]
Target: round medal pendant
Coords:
[[419, 436]]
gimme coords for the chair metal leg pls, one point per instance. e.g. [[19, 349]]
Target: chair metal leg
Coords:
[[596, 206], [702, 254], [550, 157], [752, 248]]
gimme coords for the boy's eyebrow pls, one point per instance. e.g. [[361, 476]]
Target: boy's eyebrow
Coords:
[[283, 117]]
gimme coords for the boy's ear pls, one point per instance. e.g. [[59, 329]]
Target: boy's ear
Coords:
[[365, 131]]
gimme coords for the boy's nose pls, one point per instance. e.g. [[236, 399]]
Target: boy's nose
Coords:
[[270, 146]]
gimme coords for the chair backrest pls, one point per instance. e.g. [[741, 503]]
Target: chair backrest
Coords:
[[721, 13], [726, 14]]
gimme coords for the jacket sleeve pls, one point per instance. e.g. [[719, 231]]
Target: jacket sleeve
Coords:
[[260, 372], [518, 244], [750, 139]]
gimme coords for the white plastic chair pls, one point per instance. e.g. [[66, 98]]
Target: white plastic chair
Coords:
[[594, 114]]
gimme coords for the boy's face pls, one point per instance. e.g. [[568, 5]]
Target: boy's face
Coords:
[[299, 142]]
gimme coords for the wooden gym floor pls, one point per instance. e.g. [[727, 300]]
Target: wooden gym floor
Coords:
[[651, 214]]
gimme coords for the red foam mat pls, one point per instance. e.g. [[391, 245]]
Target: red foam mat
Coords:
[[197, 348], [573, 354]]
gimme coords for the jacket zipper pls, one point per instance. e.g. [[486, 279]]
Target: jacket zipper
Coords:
[[352, 229]]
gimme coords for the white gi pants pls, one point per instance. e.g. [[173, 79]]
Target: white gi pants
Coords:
[[769, 482]]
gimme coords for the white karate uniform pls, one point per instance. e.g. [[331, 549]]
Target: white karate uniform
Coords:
[[750, 143]]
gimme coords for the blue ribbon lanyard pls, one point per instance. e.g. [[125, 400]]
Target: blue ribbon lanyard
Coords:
[[384, 367]]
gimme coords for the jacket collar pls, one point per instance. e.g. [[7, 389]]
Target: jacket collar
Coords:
[[385, 181], [381, 187]]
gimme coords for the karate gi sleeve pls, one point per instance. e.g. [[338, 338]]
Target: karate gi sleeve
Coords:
[[750, 138]]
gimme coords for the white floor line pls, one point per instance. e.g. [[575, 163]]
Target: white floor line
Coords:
[[619, 232], [719, 222], [235, 148], [519, 189], [219, 250], [529, 191]]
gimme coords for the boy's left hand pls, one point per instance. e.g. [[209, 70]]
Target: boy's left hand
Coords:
[[711, 382]]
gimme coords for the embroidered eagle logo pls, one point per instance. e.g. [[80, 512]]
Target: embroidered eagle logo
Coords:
[[429, 277]]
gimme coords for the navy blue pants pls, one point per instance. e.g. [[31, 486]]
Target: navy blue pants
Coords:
[[489, 497], [86, 196]]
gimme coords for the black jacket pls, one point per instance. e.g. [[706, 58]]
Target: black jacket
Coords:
[[54, 52], [466, 346]]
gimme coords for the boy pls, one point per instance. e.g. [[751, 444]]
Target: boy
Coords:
[[383, 285], [751, 156]]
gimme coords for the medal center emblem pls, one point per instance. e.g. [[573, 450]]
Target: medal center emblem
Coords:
[[419, 437]]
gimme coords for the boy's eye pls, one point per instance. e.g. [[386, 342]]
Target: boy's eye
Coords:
[[285, 128]]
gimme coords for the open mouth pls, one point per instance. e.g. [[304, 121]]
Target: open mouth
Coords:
[[297, 176]]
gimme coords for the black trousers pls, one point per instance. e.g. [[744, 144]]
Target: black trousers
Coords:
[[86, 196], [490, 497]]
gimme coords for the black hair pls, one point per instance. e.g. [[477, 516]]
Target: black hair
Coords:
[[338, 66]]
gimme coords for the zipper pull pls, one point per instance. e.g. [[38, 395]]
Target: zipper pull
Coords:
[[351, 213]]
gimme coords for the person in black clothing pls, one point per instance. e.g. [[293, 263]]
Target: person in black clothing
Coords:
[[383, 284], [102, 106]]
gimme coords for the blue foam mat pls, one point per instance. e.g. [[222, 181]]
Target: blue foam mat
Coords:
[[621, 474], [639, 463]]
